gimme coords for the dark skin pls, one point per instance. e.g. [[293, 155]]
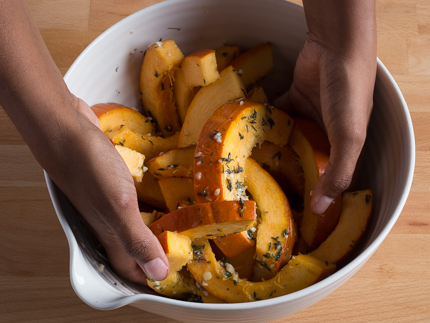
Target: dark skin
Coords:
[[333, 84]]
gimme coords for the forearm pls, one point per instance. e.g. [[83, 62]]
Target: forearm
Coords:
[[32, 90], [345, 26]]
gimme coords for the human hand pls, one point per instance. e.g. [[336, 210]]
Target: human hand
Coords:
[[333, 84], [96, 180]]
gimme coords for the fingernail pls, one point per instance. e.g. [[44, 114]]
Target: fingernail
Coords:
[[321, 204], [156, 269]]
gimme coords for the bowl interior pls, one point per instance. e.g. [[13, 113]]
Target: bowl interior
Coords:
[[108, 71]]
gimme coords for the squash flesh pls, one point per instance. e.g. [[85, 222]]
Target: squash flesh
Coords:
[[228, 87], [207, 219], [150, 146], [196, 70], [300, 272], [175, 189], [275, 231], [313, 148], [356, 211], [227, 140], [177, 162], [156, 85]]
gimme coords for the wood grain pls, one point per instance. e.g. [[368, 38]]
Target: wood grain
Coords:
[[393, 286]]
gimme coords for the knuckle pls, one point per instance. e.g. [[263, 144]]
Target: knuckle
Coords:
[[341, 183], [138, 249]]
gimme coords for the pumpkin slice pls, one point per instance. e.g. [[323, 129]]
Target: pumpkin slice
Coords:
[[275, 231], [149, 192], [150, 146], [133, 160], [175, 189], [177, 285], [177, 248], [228, 87], [356, 211], [254, 64], [208, 219], [196, 70], [257, 94], [224, 282], [227, 140], [244, 263], [156, 84], [225, 55], [234, 244], [283, 160], [313, 148], [149, 217], [114, 116], [177, 162]]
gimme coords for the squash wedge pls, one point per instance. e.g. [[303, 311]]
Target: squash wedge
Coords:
[[313, 148], [254, 64], [196, 70], [227, 140], [234, 244], [257, 94], [156, 84], [177, 248], [283, 160], [114, 116], [207, 219], [275, 232], [175, 189], [150, 146], [224, 283], [177, 162], [133, 160], [228, 87], [225, 55], [356, 211], [149, 192]]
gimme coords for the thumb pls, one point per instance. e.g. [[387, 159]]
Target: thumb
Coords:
[[134, 251], [345, 150]]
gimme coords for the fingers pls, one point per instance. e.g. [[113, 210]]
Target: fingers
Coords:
[[134, 258], [346, 146]]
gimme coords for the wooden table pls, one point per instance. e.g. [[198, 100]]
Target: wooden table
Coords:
[[393, 286]]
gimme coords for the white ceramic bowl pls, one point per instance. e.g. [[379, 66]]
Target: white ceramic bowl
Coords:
[[108, 70]]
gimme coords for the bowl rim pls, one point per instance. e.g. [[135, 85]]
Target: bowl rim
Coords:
[[351, 267]]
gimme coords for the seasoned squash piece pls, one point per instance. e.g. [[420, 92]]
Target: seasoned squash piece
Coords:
[[224, 282], [177, 249], [175, 189], [257, 94], [254, 64], [150, 146], [177, 162], [176, 285], [225, 55], [149, 192], [133, 160], [149, 217], [355, 215], [227, 140], [275, 231], [196, 70], [283, 160], [313, 148], [234, 244], [114, 116], [156, 84], [208, 219], [244, 263], [228, 87]]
